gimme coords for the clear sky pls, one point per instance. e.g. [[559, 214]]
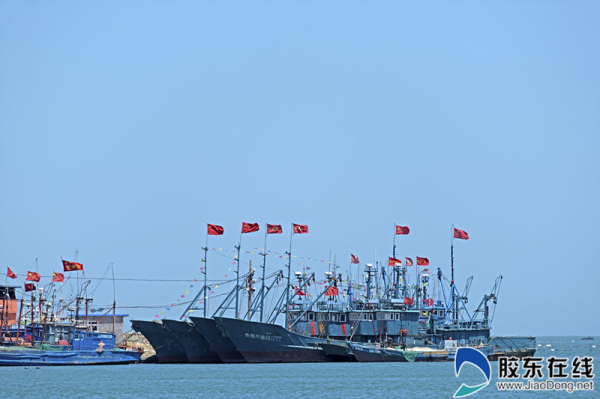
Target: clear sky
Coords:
[[126, 127]]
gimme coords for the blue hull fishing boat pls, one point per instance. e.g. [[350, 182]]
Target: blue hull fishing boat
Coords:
[[88, 348]]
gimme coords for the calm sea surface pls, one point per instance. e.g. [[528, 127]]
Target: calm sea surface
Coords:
[[318, 380]]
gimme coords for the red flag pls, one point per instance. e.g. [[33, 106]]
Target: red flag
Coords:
[[408, 262], [332, 291], [354, 259], [214, 230], [29, 287], [402, 230], [58, 277], [408, 301], [71, 266], [299, 292], [461, 234], [300, 228], [393, 261], [422, 261], [32, 276], [9, 273], [274, 229], [249, 227]]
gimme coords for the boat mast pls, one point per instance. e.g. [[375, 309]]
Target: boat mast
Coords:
[[264, 267], [112, 266], [237, 280], [454, 296], [205, 299], [289, 271]]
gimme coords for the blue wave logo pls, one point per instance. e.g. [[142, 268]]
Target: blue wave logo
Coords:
[[477, 359]]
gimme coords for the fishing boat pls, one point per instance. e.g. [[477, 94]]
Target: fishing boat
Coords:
[[196, 347], [217, 339], [270, 343], [167, 346], [369, 322], [87, 348], [50, 333]]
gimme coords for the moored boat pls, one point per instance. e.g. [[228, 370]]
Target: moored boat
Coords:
[[196, 347], [168, 348]]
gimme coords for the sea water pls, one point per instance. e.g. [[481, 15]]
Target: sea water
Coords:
[[302, 380]]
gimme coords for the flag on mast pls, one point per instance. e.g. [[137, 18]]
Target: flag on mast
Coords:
[[394, 261], [354, 259], [214, 230], [58, 277], [402, 230], [32, 276], [422, 261], [29, 287], [274, 229], [71, 266], [460, 234], [408, 262], [9, 273], [249, 227], [300, 228]]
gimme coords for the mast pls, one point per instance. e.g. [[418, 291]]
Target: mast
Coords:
[[112, 266], [454, 296], [264, 267], [205, 300], [249, 287], [237, 280], [289, 281]]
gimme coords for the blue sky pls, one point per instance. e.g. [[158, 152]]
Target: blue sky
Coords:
[[125, 127]]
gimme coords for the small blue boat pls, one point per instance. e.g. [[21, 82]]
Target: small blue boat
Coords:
[[87, 348]]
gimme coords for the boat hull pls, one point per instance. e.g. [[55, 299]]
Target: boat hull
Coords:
[[218, 340], [35, 357], [196, 347], [167, 347], [270, 343], [364, 353]]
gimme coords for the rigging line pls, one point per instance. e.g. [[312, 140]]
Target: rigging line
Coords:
[[100, 281]]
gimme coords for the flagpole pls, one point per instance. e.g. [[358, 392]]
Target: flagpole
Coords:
[[237, 279], [454, 302], [262, 290], [205, 299], [287, 296]]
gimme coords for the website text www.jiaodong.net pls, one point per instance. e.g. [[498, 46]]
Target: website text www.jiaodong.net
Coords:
[[548, 385]]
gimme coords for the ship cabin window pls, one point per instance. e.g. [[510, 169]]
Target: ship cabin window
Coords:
[[304, 317], [397, 316], [334, 317], [366, 316], [311, 316], [343, 318]]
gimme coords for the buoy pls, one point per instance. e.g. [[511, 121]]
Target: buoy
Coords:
[[547, 346], [26, 368], [38, 367]]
